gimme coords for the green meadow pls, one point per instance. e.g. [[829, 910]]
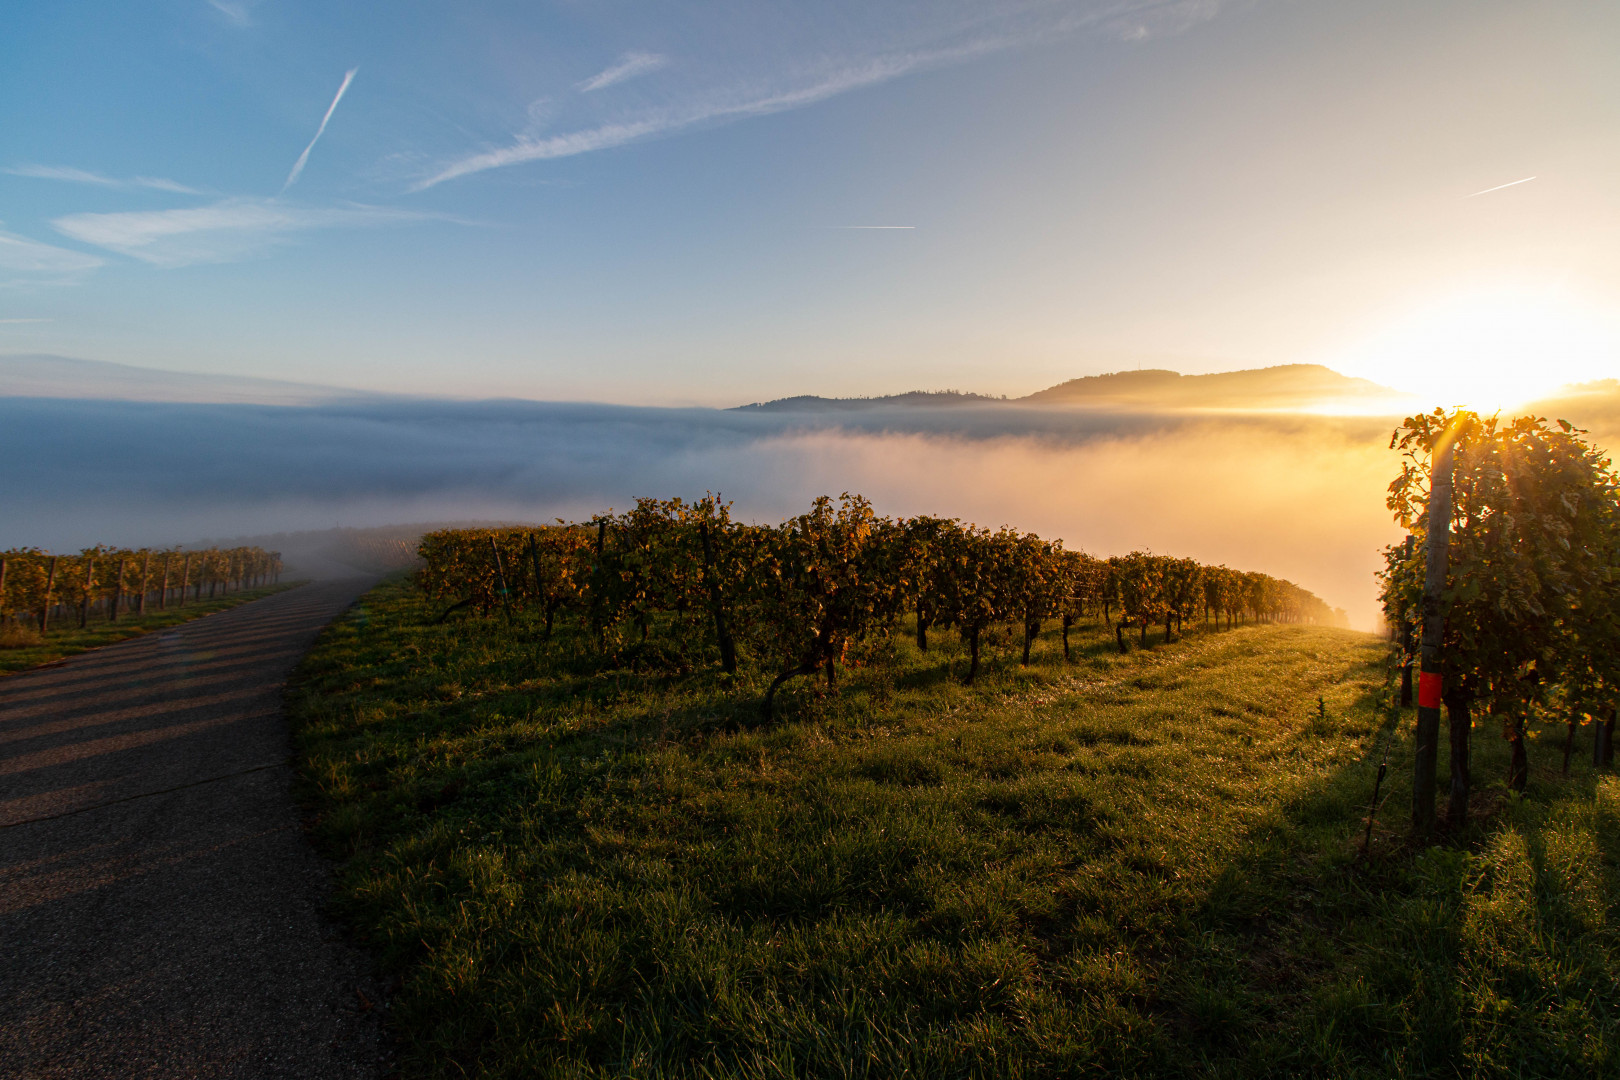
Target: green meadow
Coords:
[[1138, 865]]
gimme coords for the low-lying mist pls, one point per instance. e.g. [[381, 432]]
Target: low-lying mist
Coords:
[[1298, 497]]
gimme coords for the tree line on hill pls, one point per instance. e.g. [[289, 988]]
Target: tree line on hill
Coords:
[[38, 588], [1530, 603], [825, 587]]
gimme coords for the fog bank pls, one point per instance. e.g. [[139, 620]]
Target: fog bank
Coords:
[[1300, 498]]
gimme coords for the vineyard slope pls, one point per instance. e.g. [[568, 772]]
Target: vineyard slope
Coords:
[[1142, 864]]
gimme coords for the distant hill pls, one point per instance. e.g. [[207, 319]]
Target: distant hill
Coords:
[[43, 375], [924, 398], [1288, 387]]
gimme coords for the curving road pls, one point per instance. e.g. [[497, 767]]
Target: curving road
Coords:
[[160, 912]]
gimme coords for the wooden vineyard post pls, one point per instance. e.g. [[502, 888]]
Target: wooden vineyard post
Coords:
[[45, 601], [539, 583], [1406, 641], [163, 589], [185, 579], [1427, 735], [118, 590], [89, 582], [1372, 807], [500, 580], [597, 577], [728, 650], [146, 583]]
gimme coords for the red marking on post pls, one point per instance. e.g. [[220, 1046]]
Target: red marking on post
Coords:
[[1429, 689]]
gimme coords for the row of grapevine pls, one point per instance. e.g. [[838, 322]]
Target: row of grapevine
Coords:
[[1531, 601], [803, 597], [38, 588]]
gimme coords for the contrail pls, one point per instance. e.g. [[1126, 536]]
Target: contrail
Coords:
[[1499, 187], [298, 166], [866, 226]]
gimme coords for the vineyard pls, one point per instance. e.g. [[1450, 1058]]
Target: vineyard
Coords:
[[1517, 601], [40, 590], [662, 793], [826, 588]]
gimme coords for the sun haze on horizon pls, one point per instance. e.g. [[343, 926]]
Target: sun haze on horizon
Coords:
[[1489, 349], [563, 202]]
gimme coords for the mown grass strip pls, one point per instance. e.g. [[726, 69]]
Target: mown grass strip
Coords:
[[1132, 865], [67, 639]]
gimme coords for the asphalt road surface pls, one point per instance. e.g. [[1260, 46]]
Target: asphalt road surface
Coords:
[[160, 912]]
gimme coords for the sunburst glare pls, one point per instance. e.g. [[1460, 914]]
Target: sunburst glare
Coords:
[[1489, 348]]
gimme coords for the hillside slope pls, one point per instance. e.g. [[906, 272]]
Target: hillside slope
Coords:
[[584, 865], [1288, 386]]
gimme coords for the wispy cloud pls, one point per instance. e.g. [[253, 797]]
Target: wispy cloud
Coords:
[[63, 172], [1139, 20], [810, 63], [303, 159], [71, 175], [20, 255], [630, 65], [13, 322], [602, 137], [158, 183], [556, 146], [1499, 187], [239, 12], [223, 231]]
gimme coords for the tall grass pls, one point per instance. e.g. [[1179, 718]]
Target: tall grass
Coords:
[[1124, 865]]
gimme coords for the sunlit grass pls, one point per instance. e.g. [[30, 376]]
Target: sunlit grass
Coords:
[[1138, 865]]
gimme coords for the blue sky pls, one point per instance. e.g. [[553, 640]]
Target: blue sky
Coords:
[[646, 203]]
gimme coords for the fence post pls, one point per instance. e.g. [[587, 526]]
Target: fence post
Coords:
[[1406, 640], [1427, 735], [118, 590], [45, 602], [500, 579], [89, 580]]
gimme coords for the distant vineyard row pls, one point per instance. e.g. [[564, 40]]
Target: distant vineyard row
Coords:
[[37, 587], [798, 598]]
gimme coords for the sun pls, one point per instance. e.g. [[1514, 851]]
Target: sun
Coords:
[[1489, 349]]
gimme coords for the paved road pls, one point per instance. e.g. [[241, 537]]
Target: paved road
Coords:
[[160, 912]]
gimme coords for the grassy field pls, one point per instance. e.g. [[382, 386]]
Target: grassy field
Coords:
[[25, 649], [1135, 865]]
